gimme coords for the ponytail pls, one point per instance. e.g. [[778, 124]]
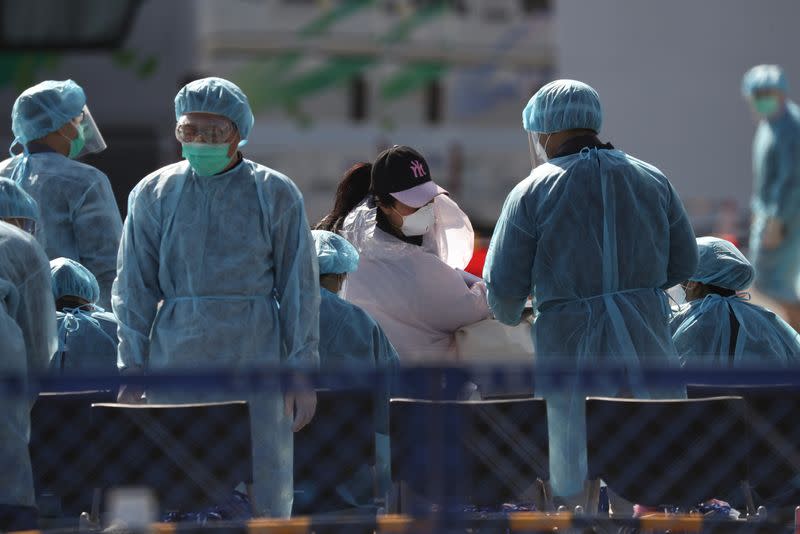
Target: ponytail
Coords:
[[352, 190]]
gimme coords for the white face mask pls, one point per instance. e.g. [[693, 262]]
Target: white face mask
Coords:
[[538, 152], [419, 222]]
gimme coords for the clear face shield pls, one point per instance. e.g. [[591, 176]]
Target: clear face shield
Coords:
[[93, 141], [537, 150]]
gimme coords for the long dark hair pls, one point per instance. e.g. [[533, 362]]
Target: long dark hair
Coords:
[[352, 190]]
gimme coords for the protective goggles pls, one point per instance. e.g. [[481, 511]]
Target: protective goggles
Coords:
[[94, 141], [209, 130]]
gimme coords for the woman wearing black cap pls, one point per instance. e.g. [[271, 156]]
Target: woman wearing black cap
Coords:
[[411, 237]]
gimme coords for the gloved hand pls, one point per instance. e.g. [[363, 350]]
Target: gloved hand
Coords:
[[300, 402]]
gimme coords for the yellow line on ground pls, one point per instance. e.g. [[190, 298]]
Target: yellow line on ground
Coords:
[[296, 525], [539, 521], [687, 523]]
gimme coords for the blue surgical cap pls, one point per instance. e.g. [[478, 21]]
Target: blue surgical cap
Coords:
[[722, 265], [764, 77], [68, 278], [336, 255], [15, 202], [218, 96], [563, 105], [44, 108]]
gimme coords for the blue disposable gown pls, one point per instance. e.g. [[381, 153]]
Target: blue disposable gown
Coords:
[[594, 237], [28, 340], [87, 343], [702, 335], [349, 337], [232, 258], [79, 216], [776, 166]]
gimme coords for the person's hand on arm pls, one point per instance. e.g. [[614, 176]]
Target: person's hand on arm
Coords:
[[300, 403]]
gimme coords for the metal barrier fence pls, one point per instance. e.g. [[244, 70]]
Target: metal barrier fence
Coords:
[[426, 461]]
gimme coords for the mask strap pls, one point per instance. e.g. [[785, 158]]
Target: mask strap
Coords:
[[15, 142]]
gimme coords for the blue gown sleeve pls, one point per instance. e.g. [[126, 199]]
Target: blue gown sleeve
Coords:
[[136, 291], [509, 262], [296, 283], [36, 312], [682, 243], [97, 228]]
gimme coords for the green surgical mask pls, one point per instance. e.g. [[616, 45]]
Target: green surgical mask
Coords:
[[76, 144], [766, 106], [206, 159]]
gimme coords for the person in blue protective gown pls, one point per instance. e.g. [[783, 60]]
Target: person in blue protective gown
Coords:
[[719, 327], [594, 236], [775, 230], [28, 334], [87, 335], [349, 337], [80, 218], [217, 269]]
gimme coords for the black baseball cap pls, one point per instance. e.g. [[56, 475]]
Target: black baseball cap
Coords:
[[403, 173]]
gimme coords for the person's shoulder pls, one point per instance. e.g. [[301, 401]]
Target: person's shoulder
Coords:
[[11, 236], [162, 178], [20, 253], [273, 180], [52, 163], [6, 165], [355, 314], [699, 311], [542, 176], [105, 316], [346, 316], [641, 165]]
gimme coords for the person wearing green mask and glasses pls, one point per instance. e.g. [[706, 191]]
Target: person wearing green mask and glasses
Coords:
[[217, 270], [80, 219], [775, 230]]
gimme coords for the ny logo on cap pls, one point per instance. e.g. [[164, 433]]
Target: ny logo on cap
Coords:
[[417, 169]]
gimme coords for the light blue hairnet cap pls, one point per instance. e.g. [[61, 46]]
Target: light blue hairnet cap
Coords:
[[764, 77], [219, 96], [68, 278], [563, 105], [722, 265], [15, 202], [44, 108], [336, 255]]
